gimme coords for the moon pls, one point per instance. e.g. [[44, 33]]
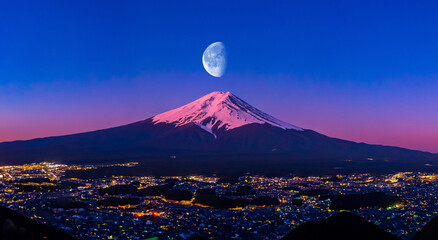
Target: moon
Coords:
[[214, 59]]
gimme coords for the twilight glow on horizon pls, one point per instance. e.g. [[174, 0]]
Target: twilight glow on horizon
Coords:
[[334, 68]]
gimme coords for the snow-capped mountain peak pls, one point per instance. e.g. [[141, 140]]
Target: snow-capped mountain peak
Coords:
[[219, 111]]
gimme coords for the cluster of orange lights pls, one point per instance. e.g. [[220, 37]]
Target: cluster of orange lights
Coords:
[[142, 214]]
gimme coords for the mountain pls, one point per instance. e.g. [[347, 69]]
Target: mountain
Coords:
[[341, 226], [211, 134]]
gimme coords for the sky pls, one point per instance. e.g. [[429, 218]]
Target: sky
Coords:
[[365, 71]]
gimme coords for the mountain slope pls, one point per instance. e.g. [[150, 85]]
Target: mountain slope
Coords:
[[216, 129]]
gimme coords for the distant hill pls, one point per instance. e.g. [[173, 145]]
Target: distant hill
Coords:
[[14, 226], [341, 226]]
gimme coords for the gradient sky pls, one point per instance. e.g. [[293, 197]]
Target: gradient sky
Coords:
[[359, 70]]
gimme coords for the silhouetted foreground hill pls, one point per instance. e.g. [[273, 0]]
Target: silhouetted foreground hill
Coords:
[[14, 226], [342, 226], [429, 231]]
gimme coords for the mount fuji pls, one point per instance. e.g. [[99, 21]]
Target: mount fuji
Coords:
[[217, 133]]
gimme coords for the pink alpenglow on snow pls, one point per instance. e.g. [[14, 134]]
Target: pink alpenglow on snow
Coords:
[[219, 111]]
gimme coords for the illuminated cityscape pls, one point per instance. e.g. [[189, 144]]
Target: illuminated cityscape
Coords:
[[127, 207]]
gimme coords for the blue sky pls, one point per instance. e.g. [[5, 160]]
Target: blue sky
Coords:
[[334, 66]]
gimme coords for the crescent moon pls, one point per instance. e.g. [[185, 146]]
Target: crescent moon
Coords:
[[214, 59]]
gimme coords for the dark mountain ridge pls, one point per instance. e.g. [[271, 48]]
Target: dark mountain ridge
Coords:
[[341, 226], [15, 226]]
